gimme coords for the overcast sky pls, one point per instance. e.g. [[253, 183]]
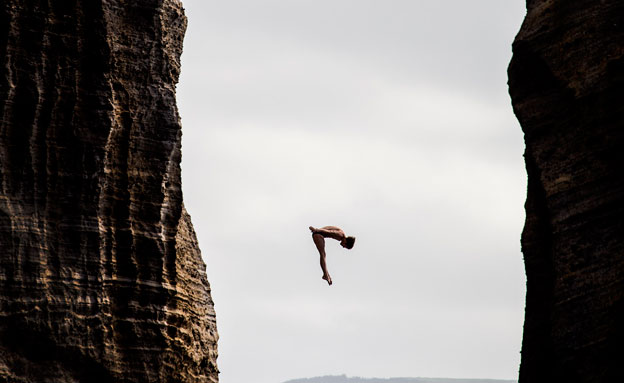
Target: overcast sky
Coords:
[[390, 119]]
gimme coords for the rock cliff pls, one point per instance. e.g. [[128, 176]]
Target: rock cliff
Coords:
[[566, 81], [101, 278]]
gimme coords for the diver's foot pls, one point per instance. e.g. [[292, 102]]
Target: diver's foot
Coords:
[[328, 279], [312, 229]]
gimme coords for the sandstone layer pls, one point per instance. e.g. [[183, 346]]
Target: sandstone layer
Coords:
[[566, 81], [101, 278]]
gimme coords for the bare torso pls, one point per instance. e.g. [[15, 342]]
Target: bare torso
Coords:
[[330, 232]]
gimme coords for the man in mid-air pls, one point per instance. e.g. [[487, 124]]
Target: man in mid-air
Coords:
[[319, 235]]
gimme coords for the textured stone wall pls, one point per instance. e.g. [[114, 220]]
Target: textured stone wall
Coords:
[[101, 278], [566, 80]]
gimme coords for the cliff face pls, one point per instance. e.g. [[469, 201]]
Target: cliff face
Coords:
[[101, 278], [566, 80]]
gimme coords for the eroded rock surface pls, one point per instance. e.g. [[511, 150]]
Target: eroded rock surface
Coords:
[[566, 80], [101, 278]]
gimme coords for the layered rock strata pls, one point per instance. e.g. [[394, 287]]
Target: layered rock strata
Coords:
[[566, 81], [101, 278]]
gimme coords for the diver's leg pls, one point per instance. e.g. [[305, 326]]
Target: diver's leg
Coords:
[[319, 241]]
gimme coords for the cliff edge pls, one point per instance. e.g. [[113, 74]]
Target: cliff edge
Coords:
[[101, 278], [566, 81]]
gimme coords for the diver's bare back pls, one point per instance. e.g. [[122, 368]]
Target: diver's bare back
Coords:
[[329, 232]]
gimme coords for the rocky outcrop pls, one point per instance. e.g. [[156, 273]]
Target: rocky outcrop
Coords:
[[566, 81], [101, 278]]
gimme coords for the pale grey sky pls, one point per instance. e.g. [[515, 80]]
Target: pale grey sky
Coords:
[[390, 119]]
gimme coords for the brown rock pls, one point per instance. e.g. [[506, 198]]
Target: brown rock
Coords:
[[566, 80], [101, 278]]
